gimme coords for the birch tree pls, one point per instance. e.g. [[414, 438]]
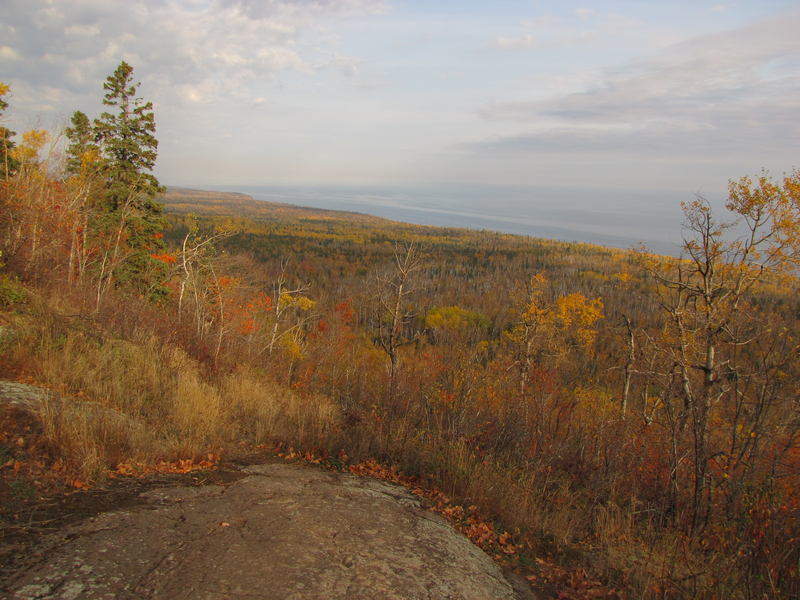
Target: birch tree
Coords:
[[719, 359]]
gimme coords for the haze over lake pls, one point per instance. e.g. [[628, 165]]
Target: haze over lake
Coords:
[[607, 217]]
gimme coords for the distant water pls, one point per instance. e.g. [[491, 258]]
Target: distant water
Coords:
[[606, 217]]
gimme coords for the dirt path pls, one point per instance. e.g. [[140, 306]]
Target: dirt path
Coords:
[[282, 531]]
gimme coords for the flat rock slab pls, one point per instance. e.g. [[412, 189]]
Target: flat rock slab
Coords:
[[21, 395], [282, 532]]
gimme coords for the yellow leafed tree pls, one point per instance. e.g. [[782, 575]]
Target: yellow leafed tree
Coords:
[[721, 359], [548, 329]]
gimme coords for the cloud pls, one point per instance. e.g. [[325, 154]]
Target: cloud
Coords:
[[709, 98], [553, 32], [82, 30], [709, 108], [305, 9], [690, 77], [349, 67], [7, 53], [369, 84], [543, 22], [274, 59], [291, 80], [721, 7], [525, 41], [724, 140], [230, 45]]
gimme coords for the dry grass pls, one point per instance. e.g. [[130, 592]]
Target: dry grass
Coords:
[[93, 438], [141, 399], [116, 401], [612, 539]]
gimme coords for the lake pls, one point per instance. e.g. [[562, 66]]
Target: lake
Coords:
[[607, 217]]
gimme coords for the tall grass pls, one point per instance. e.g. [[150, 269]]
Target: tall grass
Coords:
[[117, 400], [123, 390], [95, 438]]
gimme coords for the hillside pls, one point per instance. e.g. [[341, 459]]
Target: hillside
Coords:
[[627, 415], [233, 204]]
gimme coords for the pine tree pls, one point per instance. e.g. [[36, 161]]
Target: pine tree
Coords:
[[82, 150], [8, 163], [128, 143], [132, 212]]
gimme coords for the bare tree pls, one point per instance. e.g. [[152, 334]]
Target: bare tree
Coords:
[[284, 301], [393, 290], [718, 356], [194, 263]]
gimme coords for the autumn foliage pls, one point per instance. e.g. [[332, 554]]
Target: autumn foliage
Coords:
[[631, 416]]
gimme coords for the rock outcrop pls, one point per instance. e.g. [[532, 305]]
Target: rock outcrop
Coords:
[[283, 531]]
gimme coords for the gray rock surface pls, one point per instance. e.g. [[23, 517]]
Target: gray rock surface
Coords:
[[37, 400], [22, 395], [283, 532]]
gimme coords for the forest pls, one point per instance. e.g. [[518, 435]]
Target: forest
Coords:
[[634, 416]]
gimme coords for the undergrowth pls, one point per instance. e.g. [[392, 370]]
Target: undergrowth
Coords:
[[123, 394]]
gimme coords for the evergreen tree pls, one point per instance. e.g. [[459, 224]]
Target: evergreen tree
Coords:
[[8, 163], [82, 149], [129, 151], [128, 144]]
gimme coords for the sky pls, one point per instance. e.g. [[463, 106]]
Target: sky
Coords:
[[673, 95]]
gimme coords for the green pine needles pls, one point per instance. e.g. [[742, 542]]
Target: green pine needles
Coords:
[[128, 143], [8, 162], [117, 152]]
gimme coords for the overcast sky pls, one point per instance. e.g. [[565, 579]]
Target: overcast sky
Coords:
[[680, 94]]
